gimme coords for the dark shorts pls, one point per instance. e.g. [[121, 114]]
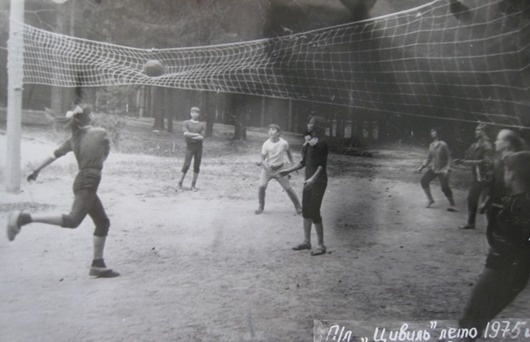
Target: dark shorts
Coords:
[[87, 202]]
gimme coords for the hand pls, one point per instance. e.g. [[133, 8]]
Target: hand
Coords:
[[419, 169], [308, 183], [33, 176], [482, 208], [282, 173]]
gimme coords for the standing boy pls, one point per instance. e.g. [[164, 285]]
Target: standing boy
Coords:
[[314, 159], [194, 135], [439, 162], [480, 157], [91, 147], [272, 156]]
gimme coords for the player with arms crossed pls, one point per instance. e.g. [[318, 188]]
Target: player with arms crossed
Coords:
[[194, 135], [91, 147], [272, 155]]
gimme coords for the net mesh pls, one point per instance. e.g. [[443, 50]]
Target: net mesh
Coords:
[[464, 63]]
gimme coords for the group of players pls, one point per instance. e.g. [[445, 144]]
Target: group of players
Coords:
[[500, 188], [501, 174]]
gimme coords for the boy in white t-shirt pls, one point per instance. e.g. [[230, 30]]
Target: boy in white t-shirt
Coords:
[[272, 155]]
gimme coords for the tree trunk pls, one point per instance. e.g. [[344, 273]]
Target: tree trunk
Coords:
[[210, 115], [156, 108], [169, 110]]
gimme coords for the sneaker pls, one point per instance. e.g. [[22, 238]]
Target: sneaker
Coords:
[[429, 204], [452, 209], [13, 224], [258, 211], [102, 272], [467, 226]]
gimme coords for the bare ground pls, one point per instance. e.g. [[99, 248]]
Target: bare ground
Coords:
[[200, 266]]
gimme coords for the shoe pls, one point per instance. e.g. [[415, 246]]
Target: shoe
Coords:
[[467, 226], [429, 204], [452, 209], [13, 224], [102, 272], [258, 211], [180, 185], [194, 188], [319, 250], [302, 246]]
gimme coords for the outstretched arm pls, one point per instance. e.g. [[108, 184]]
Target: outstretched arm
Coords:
[[61, 151], [33, 176], [291, 169]]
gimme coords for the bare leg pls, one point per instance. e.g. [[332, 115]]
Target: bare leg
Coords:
[[306, 244], [98, 268], [99, 246], [194, 181], [307, 230], [320, 249], [54, 219], [319, 229], [182, 179]]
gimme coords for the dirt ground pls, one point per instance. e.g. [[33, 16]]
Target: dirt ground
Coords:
[[200, 266]]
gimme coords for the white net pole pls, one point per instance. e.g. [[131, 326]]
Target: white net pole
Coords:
[[14, 96]]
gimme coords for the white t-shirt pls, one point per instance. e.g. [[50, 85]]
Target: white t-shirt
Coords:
[[274, 152]]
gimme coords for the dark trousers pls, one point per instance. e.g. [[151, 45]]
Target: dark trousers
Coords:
[[193, 151], [430, 175], [473, 197]]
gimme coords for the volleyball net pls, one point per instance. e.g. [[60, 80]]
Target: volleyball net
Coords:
[[468, 63]]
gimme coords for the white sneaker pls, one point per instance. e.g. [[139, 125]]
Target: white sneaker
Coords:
[[13, 226]]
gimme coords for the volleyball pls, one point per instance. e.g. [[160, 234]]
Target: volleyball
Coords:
[[153, 68]]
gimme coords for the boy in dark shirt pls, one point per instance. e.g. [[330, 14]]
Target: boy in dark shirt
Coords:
[[314, 159], [91, 147]]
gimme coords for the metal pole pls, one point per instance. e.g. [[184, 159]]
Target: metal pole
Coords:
[[15, 57]]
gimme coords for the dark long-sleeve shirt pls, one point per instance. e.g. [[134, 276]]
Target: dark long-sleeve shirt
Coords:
[[91, 147], [314, 156]]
